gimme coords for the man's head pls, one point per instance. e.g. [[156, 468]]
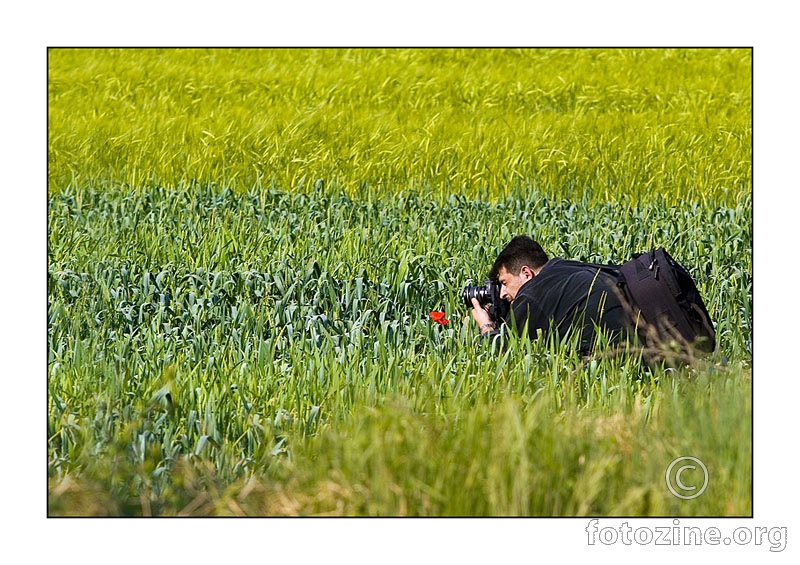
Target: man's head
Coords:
[[517, 263]]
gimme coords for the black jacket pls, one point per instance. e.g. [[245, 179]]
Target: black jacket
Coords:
[[566, 294]]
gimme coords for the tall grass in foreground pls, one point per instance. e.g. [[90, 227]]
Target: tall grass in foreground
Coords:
[[549, 451]]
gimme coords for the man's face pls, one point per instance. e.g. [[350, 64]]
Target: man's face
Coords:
[[510, 283]]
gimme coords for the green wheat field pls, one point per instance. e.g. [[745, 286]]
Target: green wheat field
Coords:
[[244, 247]]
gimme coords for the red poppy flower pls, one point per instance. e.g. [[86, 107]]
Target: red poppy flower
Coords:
[[439, 318]]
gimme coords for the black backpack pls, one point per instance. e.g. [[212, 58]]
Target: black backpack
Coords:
[[665, 305]]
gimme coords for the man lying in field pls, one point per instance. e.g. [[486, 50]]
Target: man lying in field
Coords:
[[551, 295]]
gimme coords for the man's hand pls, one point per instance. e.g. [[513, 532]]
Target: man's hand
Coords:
[[481, 317]]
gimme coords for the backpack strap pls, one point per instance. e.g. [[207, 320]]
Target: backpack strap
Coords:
[[610, 269]]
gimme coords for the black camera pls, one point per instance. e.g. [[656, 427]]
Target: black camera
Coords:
[[488, 295]]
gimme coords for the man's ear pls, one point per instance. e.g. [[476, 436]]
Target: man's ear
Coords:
[[527, 272]]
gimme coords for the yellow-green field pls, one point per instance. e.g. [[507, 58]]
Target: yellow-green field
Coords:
[[244, 246]]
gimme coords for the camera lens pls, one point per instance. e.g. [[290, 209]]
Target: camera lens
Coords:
[[467, 295], [482, 293]]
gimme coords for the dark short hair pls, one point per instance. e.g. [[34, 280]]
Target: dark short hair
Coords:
[[519, 252]]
